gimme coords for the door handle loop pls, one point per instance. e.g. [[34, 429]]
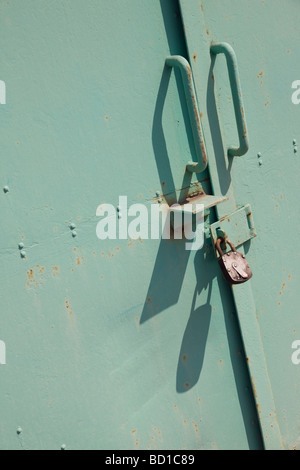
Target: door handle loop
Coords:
[[186, 74], [232, 65]]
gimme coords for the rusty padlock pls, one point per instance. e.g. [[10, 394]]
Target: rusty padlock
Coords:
[[233, 264]]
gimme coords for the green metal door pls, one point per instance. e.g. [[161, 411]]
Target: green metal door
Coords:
[[135, 342]]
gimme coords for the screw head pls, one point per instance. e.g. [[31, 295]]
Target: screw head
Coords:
[[6, 189]]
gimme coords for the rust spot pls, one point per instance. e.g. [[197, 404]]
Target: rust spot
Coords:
[[184, 357], [187, 385], [288, 51], [133, 431], [267, 103], [68, 307], [201, 7], [195, 57], [207, 32], [201, 115], [195, 426], [258, 408], [163, 183], [55, 270], [149, 300], [106, 118], [30, 274], [254, 388], [282, 288]]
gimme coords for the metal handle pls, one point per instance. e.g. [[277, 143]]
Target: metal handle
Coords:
[[227, 50], [189, 90]]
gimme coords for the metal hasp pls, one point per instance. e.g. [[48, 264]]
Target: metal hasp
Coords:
[[182, 64], [227, 50], [238, 227]]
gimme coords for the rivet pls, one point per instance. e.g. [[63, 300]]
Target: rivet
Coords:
[[63, 447], [260, 162], [119, 215], [74, 234], [228, 254], [6, 189], [295, 149], [19, 430], [294, 142], [72, 226], [23, 254], [157, 193], [159, 200], [21, 245], [259, 155], [118, 209]]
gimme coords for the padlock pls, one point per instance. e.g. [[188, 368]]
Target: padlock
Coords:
[[233, 264]]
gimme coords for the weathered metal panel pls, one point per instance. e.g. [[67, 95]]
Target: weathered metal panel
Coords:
[[267, 305]]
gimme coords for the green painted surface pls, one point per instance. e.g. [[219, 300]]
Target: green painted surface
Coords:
[[133, 344], [266, 177]]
